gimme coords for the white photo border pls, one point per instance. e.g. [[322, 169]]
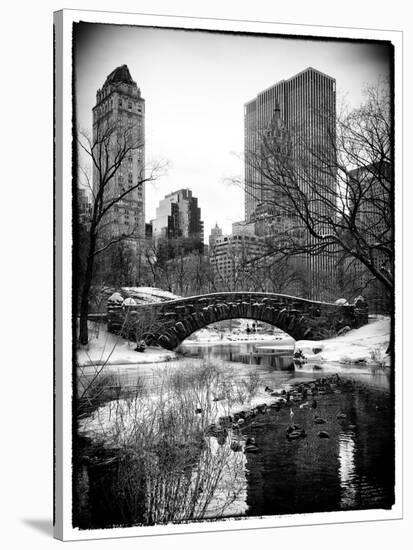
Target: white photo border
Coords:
[[63, 21]]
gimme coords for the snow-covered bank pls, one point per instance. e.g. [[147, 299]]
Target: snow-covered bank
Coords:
[[105, 348], [237, 339], [367, 345], [213, 336]]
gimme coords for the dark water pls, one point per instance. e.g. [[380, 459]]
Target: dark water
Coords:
[[257, 354], [351, 469]]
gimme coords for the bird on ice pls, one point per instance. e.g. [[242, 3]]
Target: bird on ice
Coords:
[[291, 414]]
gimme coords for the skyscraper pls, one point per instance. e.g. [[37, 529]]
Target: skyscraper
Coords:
[[299, 114], [120, 112], [178, 216], [302, 102]]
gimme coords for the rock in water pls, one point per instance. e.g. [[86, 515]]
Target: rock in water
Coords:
[[294, 435], [293, 428], [295, 431]]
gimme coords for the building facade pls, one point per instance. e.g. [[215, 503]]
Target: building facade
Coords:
[[230, 257], [370, 186], [215, 233], [302, 101], [296, 114], [84, 206], [178, 217], [120, 114]]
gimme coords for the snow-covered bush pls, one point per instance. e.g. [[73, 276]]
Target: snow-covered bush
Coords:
[[378, 355], [115, 299]]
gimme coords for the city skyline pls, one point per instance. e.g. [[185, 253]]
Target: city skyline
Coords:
[[195, 89]]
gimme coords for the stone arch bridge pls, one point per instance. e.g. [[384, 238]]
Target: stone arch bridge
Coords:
[[170, 323]]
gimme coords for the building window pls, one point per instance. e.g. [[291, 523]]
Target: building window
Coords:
[[120, 102], [129, 104]]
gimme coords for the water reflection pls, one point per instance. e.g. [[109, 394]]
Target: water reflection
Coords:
[[352, 468], [277, 355], [347, 470]]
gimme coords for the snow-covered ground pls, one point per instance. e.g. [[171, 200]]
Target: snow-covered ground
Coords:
[[107, 348], [216, 334], [208, 336], [367, 345]]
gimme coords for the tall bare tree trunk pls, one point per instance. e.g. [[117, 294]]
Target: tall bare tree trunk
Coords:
[[87, 283]]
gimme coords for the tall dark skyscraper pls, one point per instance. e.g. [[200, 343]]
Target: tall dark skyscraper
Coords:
[[300, 110], [302, 102], [121, 109]]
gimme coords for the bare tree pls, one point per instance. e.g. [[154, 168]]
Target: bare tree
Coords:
[[230, 264], [178, 264], [331, 193], [278, 274], [112, 144]]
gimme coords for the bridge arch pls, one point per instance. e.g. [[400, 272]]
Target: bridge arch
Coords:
[[176, 320], [181, 330]]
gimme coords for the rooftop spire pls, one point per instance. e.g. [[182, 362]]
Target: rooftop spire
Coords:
[[120, 74]]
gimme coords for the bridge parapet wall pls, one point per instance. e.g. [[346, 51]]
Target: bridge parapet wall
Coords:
[[169, 323]]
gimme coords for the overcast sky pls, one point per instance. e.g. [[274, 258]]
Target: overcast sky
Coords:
[[195, 85]]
